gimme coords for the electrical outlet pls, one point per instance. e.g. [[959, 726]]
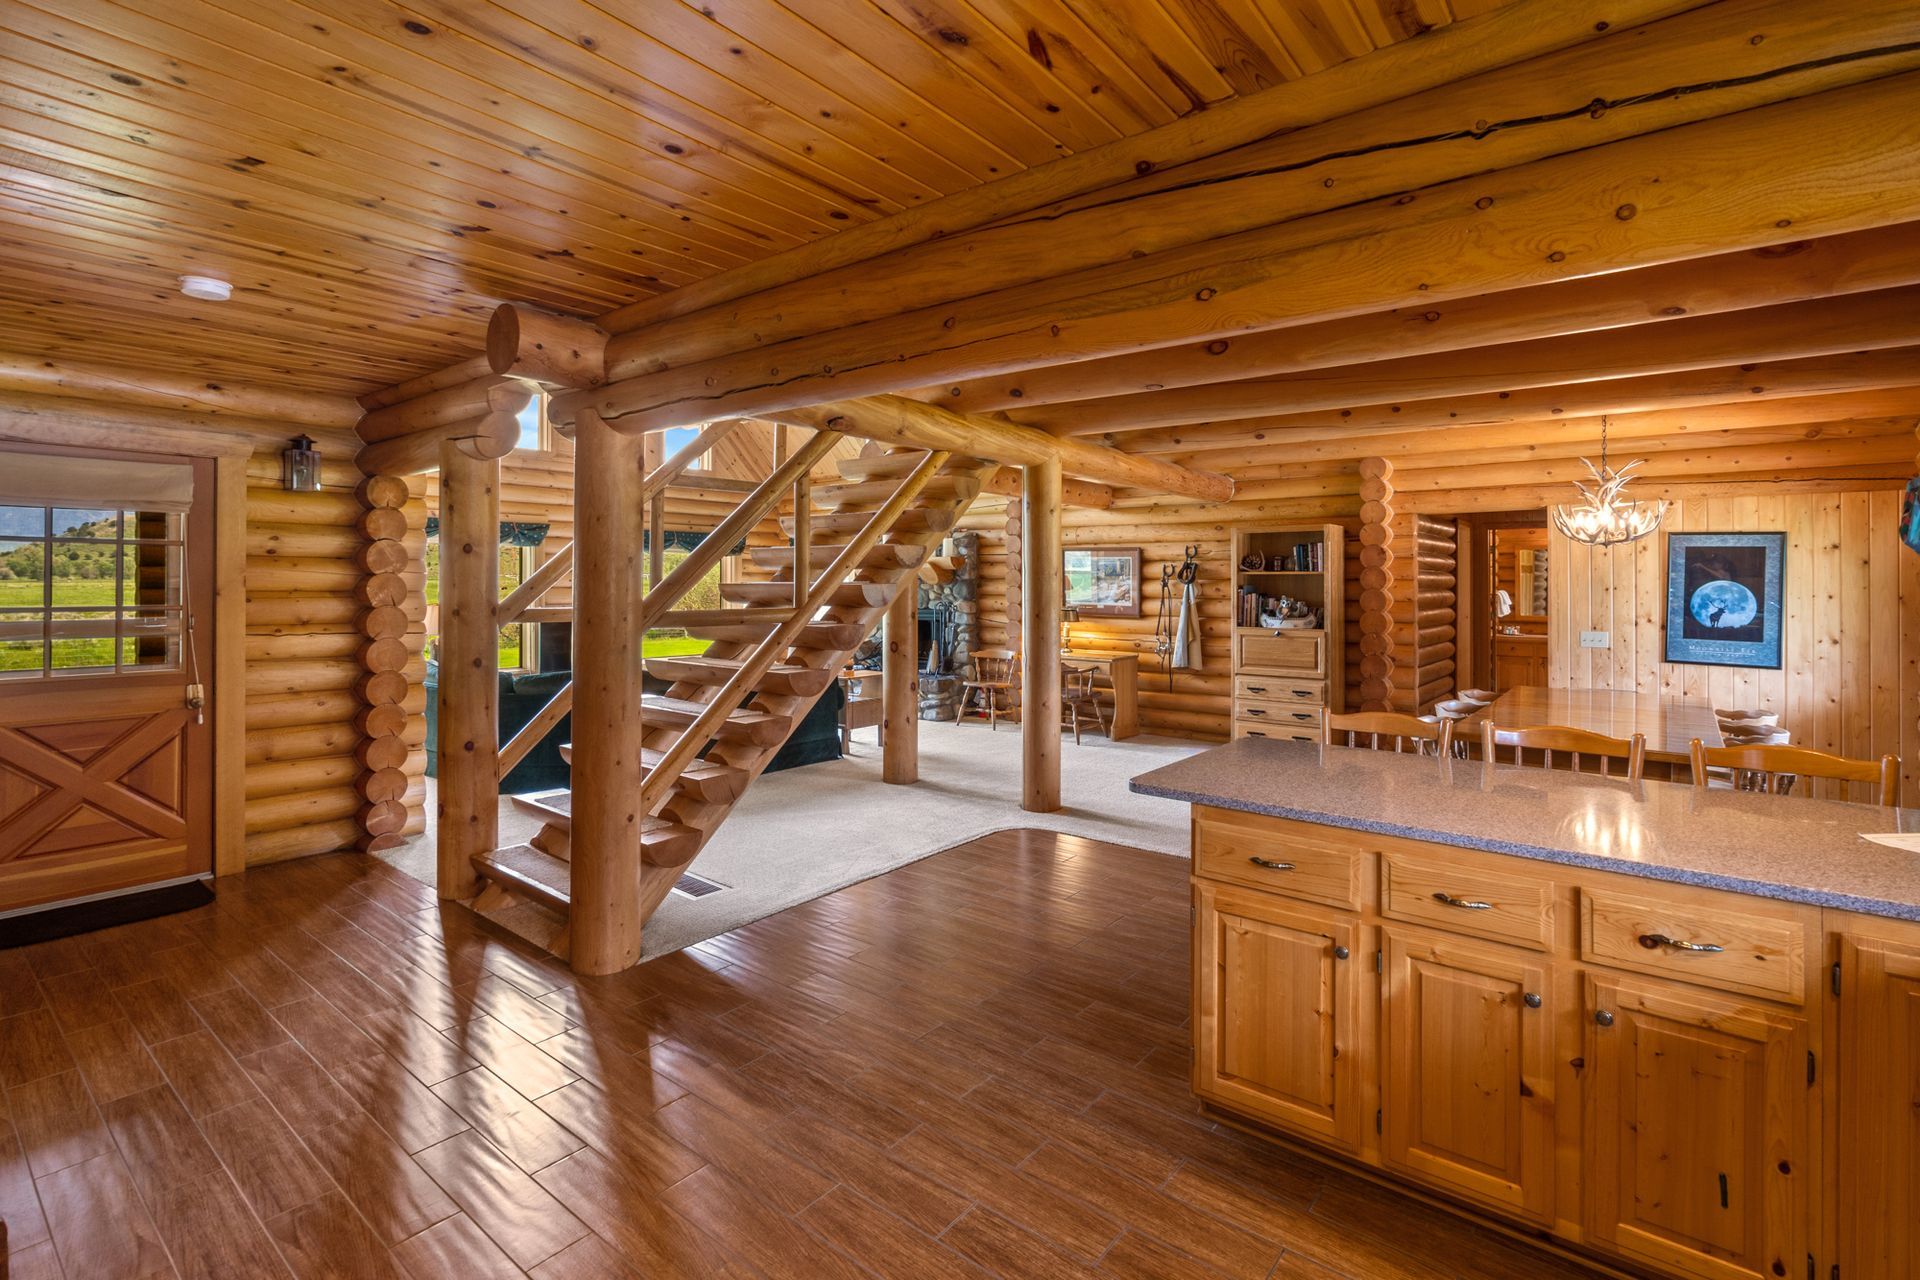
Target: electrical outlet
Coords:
[[1596, 639]]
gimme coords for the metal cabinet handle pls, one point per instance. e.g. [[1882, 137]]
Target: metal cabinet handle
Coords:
[[1303, 715], [1652, 941], [1532, 999], [1604, 1018], [1465, 904], [1341, 953], [1256, 688], [1259, 861], [1255, 711]]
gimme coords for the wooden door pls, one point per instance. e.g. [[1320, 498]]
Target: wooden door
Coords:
[[1878, 1099], [105, 770], [1278, 1005], [1467, 1047], [1696, 1129]]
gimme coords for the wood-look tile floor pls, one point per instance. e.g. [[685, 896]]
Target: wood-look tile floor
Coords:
[[972, 1066]]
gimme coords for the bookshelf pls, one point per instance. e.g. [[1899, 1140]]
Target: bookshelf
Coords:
[[1287, 680]]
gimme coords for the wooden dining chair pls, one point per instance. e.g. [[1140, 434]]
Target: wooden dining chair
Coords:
[[1576, 743], [995, 680], [1078, 698], [1775, 767], [1402, 733]]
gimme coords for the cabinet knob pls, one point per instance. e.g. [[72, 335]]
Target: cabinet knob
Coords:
[[1341, 953], [1604, 1017], [1268, 863], [1532, 999]]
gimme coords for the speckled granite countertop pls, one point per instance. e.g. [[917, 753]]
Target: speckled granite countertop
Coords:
[[1773, 846]]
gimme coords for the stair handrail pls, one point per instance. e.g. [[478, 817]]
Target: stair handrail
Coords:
[[660, 779], [542, 580], [739, 522]]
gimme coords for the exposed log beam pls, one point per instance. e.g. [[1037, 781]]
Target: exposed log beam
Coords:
[[1073, 493], [1833, 266], [436, 380], [461, 402], [1527, 497], [44, 375], [1823, 327], [1840, 161], [490, 436], [555, 350], [1895, 450], [1866, 373], [1514, 33]]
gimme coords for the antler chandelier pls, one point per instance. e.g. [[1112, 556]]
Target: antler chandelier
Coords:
[[1606, 518]]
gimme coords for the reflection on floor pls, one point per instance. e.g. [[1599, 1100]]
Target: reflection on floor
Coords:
[[971, 1066]]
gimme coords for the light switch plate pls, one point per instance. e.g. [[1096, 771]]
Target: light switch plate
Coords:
[[1595, 639]]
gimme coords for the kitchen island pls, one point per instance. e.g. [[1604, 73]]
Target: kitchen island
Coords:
[[1676, 1029]]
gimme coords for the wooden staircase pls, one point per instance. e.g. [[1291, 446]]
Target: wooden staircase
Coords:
[[695, 775]]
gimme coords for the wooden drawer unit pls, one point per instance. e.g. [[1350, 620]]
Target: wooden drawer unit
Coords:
[[1463, 895], [1711, 939], [1295, 859], [1282, 715], [1261, 729], [1281, 652], [1312, 693]]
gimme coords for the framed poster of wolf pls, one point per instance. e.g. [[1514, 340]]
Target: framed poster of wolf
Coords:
[[1724, 600]]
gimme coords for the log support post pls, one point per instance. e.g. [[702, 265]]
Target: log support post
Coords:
[[607, 591], [1042, 575], [469, 789], [900, 687]]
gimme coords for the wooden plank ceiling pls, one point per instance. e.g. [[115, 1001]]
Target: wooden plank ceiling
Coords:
[[374, 178]]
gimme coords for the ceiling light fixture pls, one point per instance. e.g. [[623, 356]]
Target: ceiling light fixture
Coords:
[[1605, 518], [206, 288]]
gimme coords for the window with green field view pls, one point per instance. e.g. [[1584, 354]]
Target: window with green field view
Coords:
[[513, 570], [90, 591]]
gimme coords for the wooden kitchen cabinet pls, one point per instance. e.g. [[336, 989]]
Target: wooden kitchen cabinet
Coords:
[[1878, 1108], [1277, 1012], [1696, 1133], [1467, 1048]]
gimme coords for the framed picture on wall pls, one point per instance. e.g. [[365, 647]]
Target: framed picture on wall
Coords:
[[1724, 601], [1103, 582]]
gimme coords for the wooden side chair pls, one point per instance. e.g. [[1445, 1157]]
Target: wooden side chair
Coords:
[[1576, 743], [1402, 733], [1774, 767], [1078, 698], [995, 682]]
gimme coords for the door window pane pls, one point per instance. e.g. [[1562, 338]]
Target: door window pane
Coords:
[[98, 590]]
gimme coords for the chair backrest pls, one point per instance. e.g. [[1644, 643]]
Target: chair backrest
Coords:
[[1779, 765], [1076, 682], [995, 666], [1387, 731], [1574, 743]]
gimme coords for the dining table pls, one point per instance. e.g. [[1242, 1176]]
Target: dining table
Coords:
[[1670, 724]]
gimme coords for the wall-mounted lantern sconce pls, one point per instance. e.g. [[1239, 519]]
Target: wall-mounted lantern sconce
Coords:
[[300, 466]]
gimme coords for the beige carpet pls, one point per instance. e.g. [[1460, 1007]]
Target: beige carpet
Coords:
[[805, 832]]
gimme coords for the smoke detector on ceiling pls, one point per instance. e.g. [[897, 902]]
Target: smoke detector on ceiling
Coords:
[[206, 288]]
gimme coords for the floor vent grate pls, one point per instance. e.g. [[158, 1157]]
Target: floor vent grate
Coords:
[[697, 886]]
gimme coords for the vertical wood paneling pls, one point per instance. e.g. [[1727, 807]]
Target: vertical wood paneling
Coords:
[[1850, 675]]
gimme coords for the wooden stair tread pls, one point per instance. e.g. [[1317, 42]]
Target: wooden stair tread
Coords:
[[886, 555], [713, 781], [880, 466], [912, 520], [848, 595], [523, 869], [814, 635], [871, 494], [782, 679], [762, 728]]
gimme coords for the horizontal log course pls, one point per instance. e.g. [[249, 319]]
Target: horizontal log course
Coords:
[[313, 675], [451, 406], [54, 377], [269, 779], [301, 809], [1366, 258], [490, 436], [300, 842]]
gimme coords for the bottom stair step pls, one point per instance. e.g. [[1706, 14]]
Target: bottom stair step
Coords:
[[523, 869]]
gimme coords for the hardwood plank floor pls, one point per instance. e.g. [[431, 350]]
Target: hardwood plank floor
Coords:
[[972, 1066]]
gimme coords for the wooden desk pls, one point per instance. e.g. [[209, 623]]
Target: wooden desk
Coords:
[[1122, 671], [862, 709], [1669, 723]]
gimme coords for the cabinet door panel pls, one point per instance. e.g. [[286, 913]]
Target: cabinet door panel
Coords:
[[1277, 1012], [1469, 1072], [1879, 1105], [1697, 1130]]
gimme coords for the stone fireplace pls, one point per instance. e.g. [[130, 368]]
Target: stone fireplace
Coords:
[[949, 615]]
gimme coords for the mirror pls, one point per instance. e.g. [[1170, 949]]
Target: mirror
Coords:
[[1530, 584]]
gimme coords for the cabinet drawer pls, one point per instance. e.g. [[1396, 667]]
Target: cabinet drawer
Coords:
[[1282, 857], [1501, 905], [1261, 729], [1312, 693], [1281, 715], [1282, 652], [1739, 948]]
